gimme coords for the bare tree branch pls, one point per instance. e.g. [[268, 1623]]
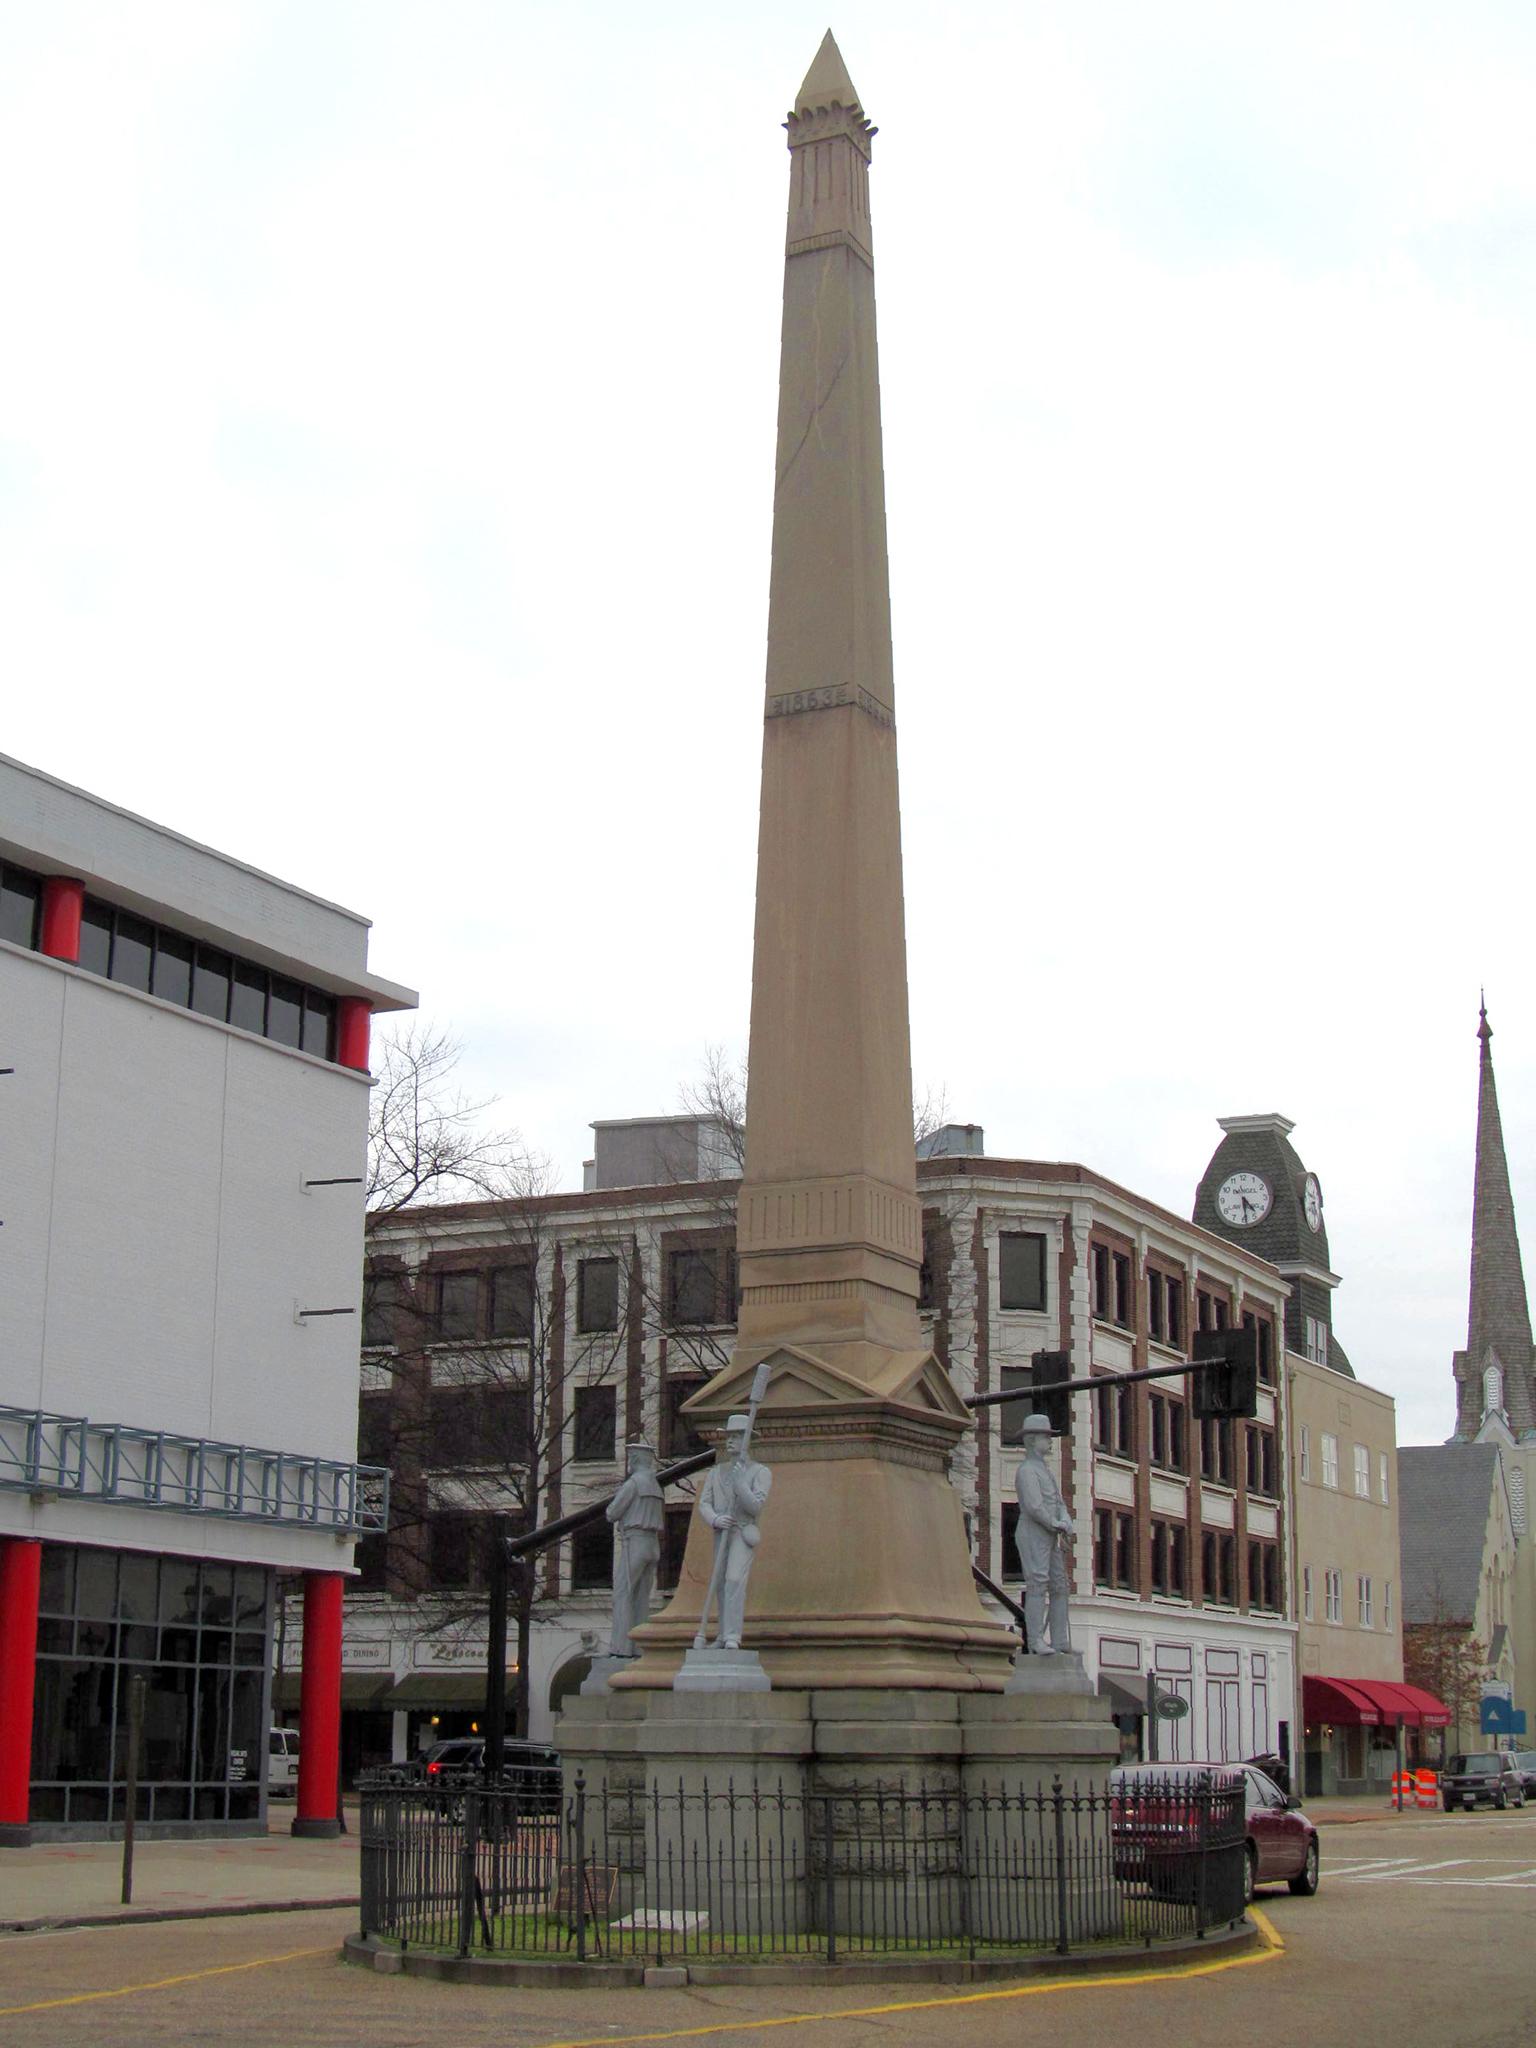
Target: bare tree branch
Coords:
[[426, 1139]]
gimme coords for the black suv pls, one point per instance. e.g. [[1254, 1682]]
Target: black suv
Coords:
[[1491, 1778], [529, 1768]]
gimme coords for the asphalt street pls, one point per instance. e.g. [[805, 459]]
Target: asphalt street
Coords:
[[1420, 1934]]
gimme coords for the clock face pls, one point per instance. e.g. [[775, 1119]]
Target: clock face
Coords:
[[1312, 1202], [1243, 1198]]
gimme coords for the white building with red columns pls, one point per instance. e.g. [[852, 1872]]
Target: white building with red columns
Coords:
[[183, 1128]]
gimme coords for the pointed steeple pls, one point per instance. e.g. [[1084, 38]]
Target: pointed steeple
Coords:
[[1498, 1318]]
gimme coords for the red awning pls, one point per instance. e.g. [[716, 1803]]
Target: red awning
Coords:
[[1420, 1709], [1370, 1702], [1341, 1700]]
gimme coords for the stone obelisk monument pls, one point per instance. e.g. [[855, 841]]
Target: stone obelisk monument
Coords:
[[863, 1574]]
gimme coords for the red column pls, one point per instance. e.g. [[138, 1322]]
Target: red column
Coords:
[[63, 901], [353, 1017], [21, 1560], [320, 1707]]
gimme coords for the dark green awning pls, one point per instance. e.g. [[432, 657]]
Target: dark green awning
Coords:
[[358, 1688]]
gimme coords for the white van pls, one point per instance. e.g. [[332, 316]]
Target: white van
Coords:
[[282, 1763]]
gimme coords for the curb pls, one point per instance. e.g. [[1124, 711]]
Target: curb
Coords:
[[365, 1952], [149, 1916]]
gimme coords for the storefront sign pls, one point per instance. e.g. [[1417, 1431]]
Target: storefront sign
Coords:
[[447, 1653]]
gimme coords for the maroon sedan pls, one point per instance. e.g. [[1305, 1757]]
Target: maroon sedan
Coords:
[[1281, 1843]]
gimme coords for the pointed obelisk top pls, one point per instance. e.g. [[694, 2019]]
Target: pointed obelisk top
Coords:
[[827, 83]]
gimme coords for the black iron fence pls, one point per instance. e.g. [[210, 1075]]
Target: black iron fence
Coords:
[[658, 1874]]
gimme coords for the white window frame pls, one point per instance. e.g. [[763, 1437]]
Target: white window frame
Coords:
[[1333, 1596], [1382, 1469], [1306, 1592], [1362, 1472], [1330, 1448], [1365, 1595], [1317, 1340], [1386, 1605], [1306, 1451]]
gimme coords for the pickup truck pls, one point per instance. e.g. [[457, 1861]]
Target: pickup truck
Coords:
[[1491, 1778]]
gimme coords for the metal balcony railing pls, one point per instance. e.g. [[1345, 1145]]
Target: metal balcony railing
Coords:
[[77, 1459]]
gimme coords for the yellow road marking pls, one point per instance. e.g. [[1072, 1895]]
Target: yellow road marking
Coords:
[[165, 1983], [1272, 1950]]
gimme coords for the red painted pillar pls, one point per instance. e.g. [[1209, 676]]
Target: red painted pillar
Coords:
[[63, 901], [320, 1707], [21, 1560], [353, 1018]]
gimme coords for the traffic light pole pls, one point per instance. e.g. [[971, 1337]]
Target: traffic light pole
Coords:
[[1114, 1379]]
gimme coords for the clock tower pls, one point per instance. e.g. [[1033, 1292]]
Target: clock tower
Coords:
[[1257, 1192]]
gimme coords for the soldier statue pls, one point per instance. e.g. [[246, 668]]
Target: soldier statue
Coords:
[[636, 1513], [731, 1500], [1044, 1530]]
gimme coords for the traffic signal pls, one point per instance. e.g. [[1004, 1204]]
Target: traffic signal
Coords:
[[1227, 1382], [1050, 1368]]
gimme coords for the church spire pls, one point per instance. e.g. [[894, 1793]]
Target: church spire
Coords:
[[1498, 1318]]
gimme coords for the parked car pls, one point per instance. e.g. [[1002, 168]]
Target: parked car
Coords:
[[1490, 1778], [527, 1767], [1525, 1760], [282, 1763], [1153, 1815]]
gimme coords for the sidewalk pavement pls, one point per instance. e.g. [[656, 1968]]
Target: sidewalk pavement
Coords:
[[79, 1884]]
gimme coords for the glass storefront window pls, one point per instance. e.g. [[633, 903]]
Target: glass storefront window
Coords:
[[200, 1636]]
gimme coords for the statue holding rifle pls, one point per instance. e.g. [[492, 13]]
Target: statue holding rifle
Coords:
[[731, 1502], [1045, 1529]]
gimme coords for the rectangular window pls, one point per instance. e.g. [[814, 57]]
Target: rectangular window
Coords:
[[596, 1423], [1264, 1575], [21, 896], [1101, 1289], [597, 1295], [679, 1438], [1306, 1452], [1362, 1472], [384, 1297], [1306, 1592], [1333, 1596], [1013, 1414], [512, 1303], [1021, 1269], [1386, 1605], [1170, 1559], [1317, 1340], [285, 1013], [96, 937], [1364, 1594], [1166, 1421], [1261, 1462], [1381, 1472], [1165, 1308], [1114, 1549], [212, 972], [458, 1305], [133, 947], [1114, 1420], [1122, 1265], [592, 1557], [701, 1285], [248, 997], [1264, 1343], [456, 1551], [1218, 1557], [1216, 1449], [172, 978], [1330, 1459], [319, 1025]]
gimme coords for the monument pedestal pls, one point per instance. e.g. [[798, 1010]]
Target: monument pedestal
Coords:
[[885, 1809]]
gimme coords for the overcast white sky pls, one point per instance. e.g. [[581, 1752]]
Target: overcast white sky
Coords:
[[386, 434]]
